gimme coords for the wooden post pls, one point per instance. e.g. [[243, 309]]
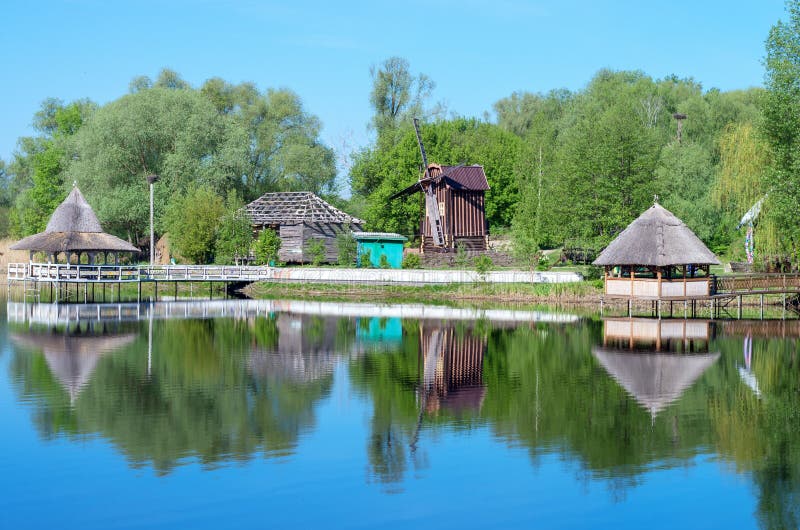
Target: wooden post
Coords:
[[739, 307], [658, 275], [139, 291], [684, 280], [631, 280]]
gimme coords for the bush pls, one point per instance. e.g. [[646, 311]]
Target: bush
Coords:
[[483, 264], [544, 263], [365, 259], [347, 248], [266, 247], [316, 249], [593, 273], [462, 258], [412, 261], [383, 263]]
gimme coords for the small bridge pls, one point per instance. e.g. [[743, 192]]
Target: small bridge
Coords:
[[58, 276]]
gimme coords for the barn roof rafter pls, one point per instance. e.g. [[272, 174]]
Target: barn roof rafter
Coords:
[[294, 207]]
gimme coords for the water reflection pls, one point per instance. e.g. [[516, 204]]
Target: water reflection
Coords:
[[616, 398], [655, 360], [71, 354]]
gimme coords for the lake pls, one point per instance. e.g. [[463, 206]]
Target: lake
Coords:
[[299, 414]]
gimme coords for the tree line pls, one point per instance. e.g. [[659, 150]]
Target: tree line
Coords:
[[565, 167]]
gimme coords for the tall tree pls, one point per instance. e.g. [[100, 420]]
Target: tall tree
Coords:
[[39, 163], [397, 96], [782, 125], [176, 134]]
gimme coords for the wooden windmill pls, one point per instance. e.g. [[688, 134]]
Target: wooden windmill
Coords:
[[454, 212]]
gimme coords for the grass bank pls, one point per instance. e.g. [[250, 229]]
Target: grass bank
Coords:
[[544, 293]]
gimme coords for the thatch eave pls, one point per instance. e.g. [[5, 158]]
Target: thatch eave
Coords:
[[656, 239]]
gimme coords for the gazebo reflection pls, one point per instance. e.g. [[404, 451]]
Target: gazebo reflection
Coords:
[[72, 355], [655, 361]]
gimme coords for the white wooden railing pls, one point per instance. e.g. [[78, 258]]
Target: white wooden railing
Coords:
[[18, 272]]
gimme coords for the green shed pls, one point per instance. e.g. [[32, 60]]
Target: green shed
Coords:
[[378, 244]]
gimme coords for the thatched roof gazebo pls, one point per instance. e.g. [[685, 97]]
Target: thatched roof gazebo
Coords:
[[657, 256], [74, 229]]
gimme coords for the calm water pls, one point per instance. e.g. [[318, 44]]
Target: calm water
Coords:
[[299, 414]]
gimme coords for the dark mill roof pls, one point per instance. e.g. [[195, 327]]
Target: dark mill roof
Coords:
[[658, 239], [462, 177], [295, 207], [73, 227], [468, 178]]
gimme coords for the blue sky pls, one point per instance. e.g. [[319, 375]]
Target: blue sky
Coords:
[[476, 51]]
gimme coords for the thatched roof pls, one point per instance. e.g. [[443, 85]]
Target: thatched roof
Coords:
[[657, 239], [73, 227], [654, 380], [295, 207]]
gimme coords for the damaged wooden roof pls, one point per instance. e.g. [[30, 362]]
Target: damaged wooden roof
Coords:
[[294, 207]]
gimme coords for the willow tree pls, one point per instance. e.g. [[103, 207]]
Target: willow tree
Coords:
[[742, 180]]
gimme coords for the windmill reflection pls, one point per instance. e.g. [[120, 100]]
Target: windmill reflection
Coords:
[[72, 353], [655, 361], [452, 362]]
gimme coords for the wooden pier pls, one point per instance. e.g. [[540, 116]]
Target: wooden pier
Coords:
[[718, 293]]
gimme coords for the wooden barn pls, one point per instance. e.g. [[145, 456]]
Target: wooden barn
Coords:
[[301, 218], [460, 196]]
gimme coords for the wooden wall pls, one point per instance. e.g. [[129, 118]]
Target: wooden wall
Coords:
[[295, 240], [464, 219]]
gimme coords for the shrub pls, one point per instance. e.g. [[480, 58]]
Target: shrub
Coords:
[[462, 258], [365, 260], [266, 247], [316, 249], [383, 263], [544, 263], [412, 261], [593, 273], [346, 248], [483, 264]]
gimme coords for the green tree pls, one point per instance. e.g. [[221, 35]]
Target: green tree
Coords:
[[381, 171], [39, 164], [176, 134], [397, 96], [266, 247], [192, 221], [234, 233], [782, 125]]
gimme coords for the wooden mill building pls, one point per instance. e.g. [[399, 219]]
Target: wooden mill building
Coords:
[[301, 218], [460, 192], [657, 257]]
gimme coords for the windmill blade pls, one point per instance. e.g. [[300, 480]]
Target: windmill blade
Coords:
[[422, 149]]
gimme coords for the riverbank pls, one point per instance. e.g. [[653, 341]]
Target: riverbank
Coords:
[[585, 292]]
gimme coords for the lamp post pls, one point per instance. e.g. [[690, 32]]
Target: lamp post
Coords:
[[152, 179]]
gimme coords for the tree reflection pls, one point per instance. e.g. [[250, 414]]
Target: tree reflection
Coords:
[[222, 390], [216, 390]]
